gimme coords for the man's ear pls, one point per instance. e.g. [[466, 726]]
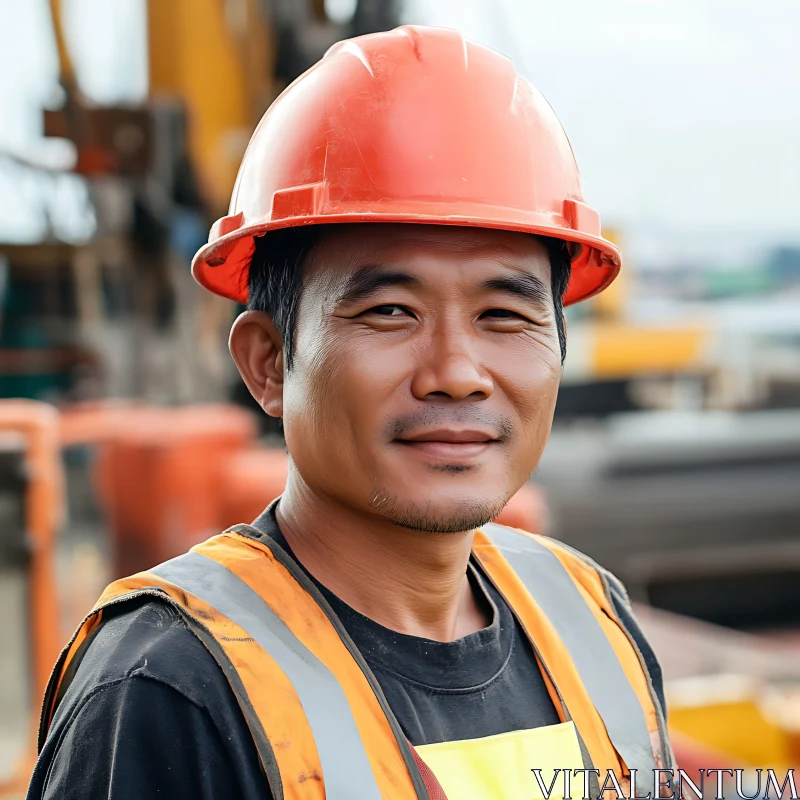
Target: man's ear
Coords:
[[257, 348]]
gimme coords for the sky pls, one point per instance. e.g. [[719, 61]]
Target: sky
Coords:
[[108, 40], [684, 114]]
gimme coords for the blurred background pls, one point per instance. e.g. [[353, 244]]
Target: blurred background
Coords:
[[126, 434]]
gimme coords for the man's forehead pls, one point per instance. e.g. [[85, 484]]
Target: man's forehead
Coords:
[[347, 248]]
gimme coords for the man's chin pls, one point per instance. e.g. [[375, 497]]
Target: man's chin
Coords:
[[450, 517]]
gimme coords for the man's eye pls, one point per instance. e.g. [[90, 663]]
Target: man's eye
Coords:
[[501, 313], [388, 311]]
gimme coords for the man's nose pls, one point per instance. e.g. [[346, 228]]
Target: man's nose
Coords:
[[451, 371]]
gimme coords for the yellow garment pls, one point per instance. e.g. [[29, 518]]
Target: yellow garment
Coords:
[[499, 767]]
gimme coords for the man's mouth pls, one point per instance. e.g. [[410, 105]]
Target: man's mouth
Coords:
[[450, 444]]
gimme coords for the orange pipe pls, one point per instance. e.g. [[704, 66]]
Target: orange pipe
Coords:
[[44, 505]]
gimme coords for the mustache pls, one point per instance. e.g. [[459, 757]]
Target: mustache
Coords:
[[443, 416]]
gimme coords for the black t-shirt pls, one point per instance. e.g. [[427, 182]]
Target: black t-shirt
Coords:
[[150, 714]]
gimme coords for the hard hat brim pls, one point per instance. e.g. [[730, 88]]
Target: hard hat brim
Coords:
[[222, 266]]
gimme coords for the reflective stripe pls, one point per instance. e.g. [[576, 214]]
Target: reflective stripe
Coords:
[[602, 674], [345, 766]]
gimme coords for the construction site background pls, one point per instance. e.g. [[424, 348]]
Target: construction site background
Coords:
[[126, 434]]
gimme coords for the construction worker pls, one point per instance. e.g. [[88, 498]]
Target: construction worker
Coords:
[[406, 227]]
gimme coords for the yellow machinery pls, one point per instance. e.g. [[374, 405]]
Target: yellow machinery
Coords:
[[609, 346], [218, 58], [733, 698], [619, 347], [754, 724]]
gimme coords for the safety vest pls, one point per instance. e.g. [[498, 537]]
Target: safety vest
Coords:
[[319, 719]]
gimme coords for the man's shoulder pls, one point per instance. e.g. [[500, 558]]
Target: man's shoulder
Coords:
[[148, 709], [612, 584], [145, 639], [577, 561]]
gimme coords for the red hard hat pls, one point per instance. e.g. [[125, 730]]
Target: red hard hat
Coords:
[[410, 125]]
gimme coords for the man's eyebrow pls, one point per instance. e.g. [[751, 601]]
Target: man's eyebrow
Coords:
[[368, 280], [528, 287]]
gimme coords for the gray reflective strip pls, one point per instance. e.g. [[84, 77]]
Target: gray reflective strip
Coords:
[[602, 674], [345, 766]]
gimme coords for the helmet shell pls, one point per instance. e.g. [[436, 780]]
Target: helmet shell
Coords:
[[413, 125]]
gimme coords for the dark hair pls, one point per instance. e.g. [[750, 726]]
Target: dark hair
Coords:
[[275, 281]]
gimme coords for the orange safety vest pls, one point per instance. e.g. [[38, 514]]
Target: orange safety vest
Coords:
[[319, 719]]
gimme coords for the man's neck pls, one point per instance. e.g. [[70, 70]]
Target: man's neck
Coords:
[[413, 582]]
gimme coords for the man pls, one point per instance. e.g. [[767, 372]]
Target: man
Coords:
[[406, 224]]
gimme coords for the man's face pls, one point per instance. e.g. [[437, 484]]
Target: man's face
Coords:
[[425, 372]]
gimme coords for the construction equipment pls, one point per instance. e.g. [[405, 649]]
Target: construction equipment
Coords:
[[733, 697], [108, 140], [697, 513], [174, 458], [154, 469], [624, 353]]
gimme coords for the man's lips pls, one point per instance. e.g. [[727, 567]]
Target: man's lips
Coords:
[[450, 445], [447, 435]]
